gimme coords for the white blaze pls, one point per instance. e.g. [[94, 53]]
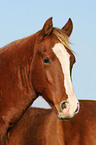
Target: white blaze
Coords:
[[64, 59]]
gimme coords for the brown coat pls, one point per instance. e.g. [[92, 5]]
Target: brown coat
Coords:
[[41, 127]]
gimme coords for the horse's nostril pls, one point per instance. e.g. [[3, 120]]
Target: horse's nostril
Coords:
[[77, 110], [63, 105]]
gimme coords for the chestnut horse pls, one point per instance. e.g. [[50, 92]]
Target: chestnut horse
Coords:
[[41, 127], [40, 64]]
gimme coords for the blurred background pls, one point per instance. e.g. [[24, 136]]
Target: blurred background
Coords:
[[21, 18]]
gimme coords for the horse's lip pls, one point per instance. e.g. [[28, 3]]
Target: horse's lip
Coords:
[[62, 116], [66, 118]]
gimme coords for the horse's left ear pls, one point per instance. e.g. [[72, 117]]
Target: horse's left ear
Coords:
[[47, 28], [68, 27]]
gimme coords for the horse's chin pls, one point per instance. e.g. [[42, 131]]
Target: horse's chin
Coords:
[[64, 118]]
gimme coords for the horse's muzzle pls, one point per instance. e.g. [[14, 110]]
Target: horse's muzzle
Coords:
[[66, 112]]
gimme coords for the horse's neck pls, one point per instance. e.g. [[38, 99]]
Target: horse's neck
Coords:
[[54, 128], [25, 52], [23, 47], [17, 57]]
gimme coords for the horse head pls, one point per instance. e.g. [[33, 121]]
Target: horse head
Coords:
[[51, 69]]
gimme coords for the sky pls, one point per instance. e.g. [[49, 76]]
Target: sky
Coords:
[[21, 18]]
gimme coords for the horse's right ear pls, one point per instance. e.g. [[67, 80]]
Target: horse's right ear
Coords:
[[47, 28]]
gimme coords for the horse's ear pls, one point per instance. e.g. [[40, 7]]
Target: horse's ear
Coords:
[[68, 27], [47, 28]]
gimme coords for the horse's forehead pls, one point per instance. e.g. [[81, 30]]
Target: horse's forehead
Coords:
[[49, 42], [60, 50], [52, 43]]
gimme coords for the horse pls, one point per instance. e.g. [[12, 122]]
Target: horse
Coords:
[[42, 127], [39, 64]]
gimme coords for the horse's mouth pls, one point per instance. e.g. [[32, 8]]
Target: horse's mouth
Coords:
[[61, 117], [66, 114]]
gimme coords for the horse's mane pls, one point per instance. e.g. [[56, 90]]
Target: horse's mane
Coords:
[[59, 33], [62, 37], [17, 42]]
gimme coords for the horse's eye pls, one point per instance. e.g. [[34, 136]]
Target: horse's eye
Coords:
[[46, 60]]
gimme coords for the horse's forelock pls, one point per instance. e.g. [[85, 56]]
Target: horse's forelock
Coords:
[[62, 37]]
